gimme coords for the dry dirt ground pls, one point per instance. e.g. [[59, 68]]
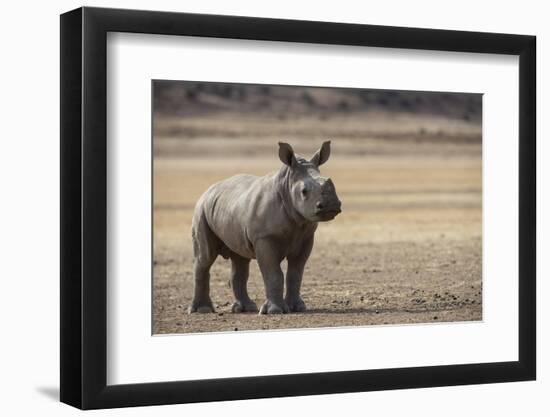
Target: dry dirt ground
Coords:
[[406, 249]]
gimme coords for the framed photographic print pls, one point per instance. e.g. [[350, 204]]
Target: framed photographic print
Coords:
[[257, 207]]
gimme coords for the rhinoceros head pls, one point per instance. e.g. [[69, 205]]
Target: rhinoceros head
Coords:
[[311, 194]]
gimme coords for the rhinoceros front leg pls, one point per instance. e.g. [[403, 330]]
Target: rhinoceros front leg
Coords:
[[239, 277], [294, 274], [269, 261]]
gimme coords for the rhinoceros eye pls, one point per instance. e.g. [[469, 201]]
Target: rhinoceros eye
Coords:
[[304, 192]]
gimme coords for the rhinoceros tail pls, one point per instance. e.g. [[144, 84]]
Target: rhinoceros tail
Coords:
[[206, 245]]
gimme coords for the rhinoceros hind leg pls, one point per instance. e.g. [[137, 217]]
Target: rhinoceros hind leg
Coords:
[[205, 250], [201, 299], [239, 278]]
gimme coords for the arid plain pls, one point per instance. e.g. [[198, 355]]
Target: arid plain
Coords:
[[407, 247]]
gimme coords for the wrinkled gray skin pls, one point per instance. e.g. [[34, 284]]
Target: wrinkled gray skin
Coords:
[[267, 218]]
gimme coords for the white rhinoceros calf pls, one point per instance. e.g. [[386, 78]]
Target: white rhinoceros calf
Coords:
[[267, 218]]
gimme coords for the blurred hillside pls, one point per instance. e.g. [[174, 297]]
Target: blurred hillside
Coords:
[[226, 120], [173, 98]]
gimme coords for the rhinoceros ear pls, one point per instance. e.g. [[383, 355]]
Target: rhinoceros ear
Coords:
[[286, 153], [321, 156]]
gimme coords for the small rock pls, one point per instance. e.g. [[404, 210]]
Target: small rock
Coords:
[[362, 298], [236, 329], [376, 312], [435, 317], [220, 314]]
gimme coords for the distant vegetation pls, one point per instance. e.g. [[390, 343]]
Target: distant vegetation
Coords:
[[173, 98]]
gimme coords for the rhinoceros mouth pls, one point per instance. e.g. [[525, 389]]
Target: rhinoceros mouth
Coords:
[[327, 215]]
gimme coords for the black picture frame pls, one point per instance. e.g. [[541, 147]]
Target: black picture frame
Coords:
[[84, 207]]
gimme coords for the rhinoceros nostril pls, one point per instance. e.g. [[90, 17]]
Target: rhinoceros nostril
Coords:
[[319, 206]]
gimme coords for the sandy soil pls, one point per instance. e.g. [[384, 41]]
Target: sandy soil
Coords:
[[406, 249]]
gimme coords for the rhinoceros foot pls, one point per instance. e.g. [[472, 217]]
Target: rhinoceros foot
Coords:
[[296, 305], [269, 307], [202, 309], [244, 307]]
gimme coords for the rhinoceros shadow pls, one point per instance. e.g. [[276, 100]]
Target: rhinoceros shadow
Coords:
[[346, 310], [365, 310]]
